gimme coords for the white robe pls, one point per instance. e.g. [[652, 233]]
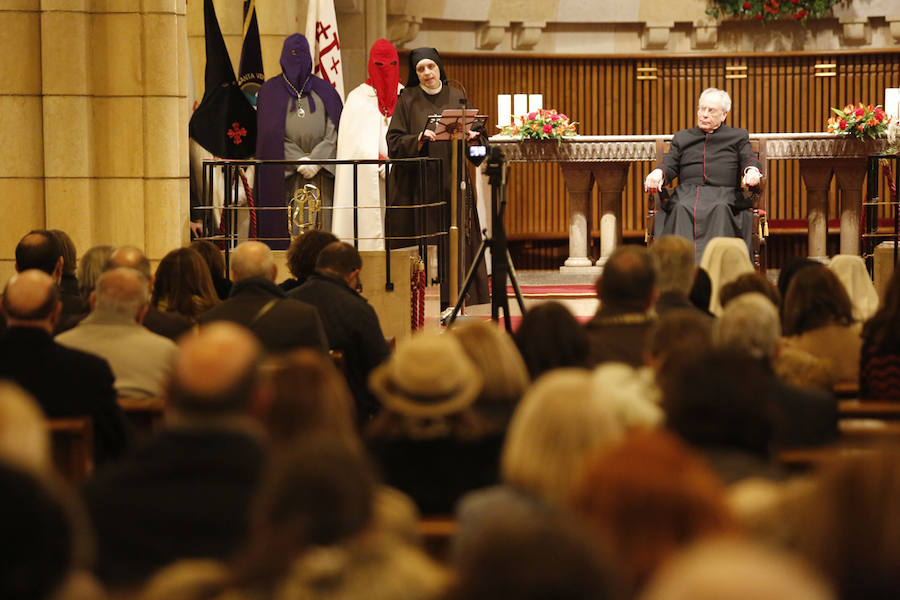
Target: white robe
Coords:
[[361, 136]]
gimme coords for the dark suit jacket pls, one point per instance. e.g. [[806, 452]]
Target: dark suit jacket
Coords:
[[615, 335], [353, 328], [287, 324], [66, 383], [183, 494]]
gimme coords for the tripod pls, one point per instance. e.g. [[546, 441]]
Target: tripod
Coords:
[[501, 262]]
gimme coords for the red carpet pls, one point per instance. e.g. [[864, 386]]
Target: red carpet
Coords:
[[555, 291]]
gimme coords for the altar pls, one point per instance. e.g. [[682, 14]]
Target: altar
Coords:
[[605, 160]]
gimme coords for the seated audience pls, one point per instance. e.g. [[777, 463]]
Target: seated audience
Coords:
[[186, 492], [848, 524], [302, 256], [852, 272], [503, 373], [631, 395], [701, 291], [791, 267], [24, 436], [879, 370], [738, 570], [92, 264], [677, 336], [167, 324], [428, 439], [724, 259], [42, 250], [351, 325], [530, 557], [749, 282], [619, 330], [818, 318], [141, 360], [68, 282], [721, 403], [65, 382], [280, 323], [646, 498], [183, 284], [749, 323], [674, 272], [213, 258], [550, 337]]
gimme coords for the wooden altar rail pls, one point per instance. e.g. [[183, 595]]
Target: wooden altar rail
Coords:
[[607, 160]]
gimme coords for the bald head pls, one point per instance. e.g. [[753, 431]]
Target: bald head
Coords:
[[123, 291], [129, 256], [31, 299], [215, 370], [252, 259], [40, 250]]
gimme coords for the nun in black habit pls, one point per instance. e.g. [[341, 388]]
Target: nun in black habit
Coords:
[[428, 93]]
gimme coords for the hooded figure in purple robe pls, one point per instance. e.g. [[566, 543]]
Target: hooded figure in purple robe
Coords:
[[298, 115]]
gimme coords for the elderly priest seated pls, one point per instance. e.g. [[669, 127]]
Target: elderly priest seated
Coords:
[[711, 162]]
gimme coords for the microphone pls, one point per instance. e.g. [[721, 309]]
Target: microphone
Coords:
[[458, 84]]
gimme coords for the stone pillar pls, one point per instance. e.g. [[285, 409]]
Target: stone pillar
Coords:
[[611, 178], [579, 182], [21, 129], [850, 174], [817, 178]]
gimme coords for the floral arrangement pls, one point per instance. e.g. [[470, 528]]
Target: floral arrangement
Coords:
[[861, 121], [544, 124], [770, 10]]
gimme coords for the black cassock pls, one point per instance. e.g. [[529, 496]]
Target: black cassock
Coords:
[[708, 201], [413, 109]]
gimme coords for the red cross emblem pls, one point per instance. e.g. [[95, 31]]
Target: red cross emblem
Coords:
[[237, 133]]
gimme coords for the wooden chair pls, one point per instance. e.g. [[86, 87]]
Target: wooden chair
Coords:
[[146, 415], [437, 536], [759, 208], [72, 443], [864, 409]]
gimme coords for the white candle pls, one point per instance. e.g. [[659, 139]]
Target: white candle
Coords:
[[504, 109], [535, 102], [892, 102], [520, 104]]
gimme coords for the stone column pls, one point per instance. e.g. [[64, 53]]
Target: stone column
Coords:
[[579, 182], [611, 178], [21, 128], [850, 174], [816, 176]]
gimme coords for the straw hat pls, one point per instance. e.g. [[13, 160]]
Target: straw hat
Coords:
[[428, 376]]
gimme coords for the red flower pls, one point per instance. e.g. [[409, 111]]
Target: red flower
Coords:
[[795, 1], [746, 6], [879, 114], [548, 128], [758, 17], [843, 124], [554, 117], [800, 14], [860, 111], [532, 116]]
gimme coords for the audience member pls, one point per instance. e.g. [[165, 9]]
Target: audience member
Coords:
[[791, 267], [351, 325], [631, 394], [852, 272], [530, 557], [24, 435], [738, 570], [280, 323], [701, 291], [167, 324], [428, 439], [503, 373], [749, 323], [879, 371], [303, 254], [721, 403], [186, 492], [42, 250], [550, 337], [618, 332], [183, 284], [91, 266], [674, 261], [817, 318], [725, 259], [677, 336], [68, 282], [749, 282], [213, 258], [848, 525], [141, 360], [65, 382], [648, 497]]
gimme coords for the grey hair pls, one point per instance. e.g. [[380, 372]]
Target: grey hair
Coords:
[[724, 98], [750, 323], [115, 293], [674, 264]]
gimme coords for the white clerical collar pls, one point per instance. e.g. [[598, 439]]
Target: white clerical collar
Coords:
[[432, 92]]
